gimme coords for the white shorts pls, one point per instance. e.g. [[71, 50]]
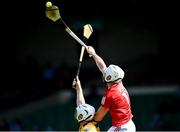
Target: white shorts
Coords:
[[128, 127]]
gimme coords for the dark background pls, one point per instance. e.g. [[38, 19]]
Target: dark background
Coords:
[[29, 43]]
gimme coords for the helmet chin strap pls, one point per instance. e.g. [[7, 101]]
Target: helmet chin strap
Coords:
[[85, 119], [113, 81]]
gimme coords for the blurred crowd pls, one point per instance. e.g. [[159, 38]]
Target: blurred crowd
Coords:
[[17, 125], [30, 81]]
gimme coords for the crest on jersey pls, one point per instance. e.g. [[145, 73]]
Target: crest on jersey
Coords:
[[103, 100]]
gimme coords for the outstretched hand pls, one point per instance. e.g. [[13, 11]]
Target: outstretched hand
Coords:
[[76, 83], [90, 50]]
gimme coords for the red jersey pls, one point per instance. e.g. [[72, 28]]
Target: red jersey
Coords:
[[116, 99]]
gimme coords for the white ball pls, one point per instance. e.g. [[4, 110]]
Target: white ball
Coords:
[[48, 4]]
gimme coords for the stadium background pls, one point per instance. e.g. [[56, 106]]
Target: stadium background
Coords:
[[39, 60]]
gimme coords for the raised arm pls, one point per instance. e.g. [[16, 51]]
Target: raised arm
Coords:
[[79, 92], [99, 61]]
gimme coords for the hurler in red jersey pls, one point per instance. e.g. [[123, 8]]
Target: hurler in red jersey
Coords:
[[116, 99]]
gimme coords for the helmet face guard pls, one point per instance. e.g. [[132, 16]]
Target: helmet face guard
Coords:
[[113, 73], [84, 112]]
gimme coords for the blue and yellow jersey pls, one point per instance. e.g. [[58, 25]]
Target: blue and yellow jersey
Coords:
[[89, 127]]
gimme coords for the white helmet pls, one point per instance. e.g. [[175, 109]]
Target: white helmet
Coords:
[[113, 73], [84, 112]]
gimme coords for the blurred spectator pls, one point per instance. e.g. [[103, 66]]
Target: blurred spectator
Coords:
[[93, 92], [4, 126], [31, 71], [48, 74], [167, 116], [49, 128], [64, 76], [15, 125], [48, 71]]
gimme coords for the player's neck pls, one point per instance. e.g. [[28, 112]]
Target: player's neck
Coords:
[[83, 123], [111, 84]]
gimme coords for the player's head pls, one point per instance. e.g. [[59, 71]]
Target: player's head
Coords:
[[84, 112], [113, 73]]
